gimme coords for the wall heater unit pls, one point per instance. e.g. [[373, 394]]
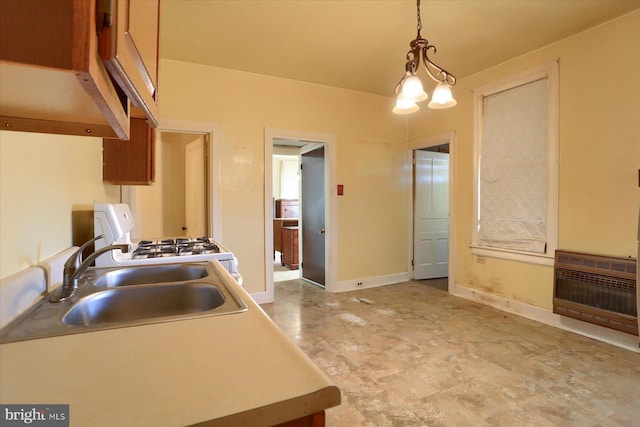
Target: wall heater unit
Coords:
[[596, 289]]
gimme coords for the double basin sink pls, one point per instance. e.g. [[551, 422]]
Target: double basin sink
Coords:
[[128, 296]]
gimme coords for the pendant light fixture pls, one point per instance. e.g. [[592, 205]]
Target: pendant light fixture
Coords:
[[409, 89]]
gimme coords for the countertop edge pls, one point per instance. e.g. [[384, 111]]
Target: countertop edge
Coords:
[[280, 412]]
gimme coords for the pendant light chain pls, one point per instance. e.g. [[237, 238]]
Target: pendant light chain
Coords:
[[419, 21]]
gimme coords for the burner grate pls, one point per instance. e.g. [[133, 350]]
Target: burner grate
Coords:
[[177, 247]]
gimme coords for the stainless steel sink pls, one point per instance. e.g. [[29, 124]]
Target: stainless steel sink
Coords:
[[121, 297], [144, 302], [161, 273]]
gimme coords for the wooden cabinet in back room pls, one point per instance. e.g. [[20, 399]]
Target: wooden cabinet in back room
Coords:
[[290, 247], [287, 208], [130, 162]]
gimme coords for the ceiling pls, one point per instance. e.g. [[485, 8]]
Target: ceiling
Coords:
[[362, 44]]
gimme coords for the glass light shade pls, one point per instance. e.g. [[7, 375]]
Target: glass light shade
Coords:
[[405, 106], [442, 97], [412, 89]]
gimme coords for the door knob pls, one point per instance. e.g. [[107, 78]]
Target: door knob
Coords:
[[321, 231]]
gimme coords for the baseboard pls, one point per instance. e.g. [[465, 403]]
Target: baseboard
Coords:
[[548, 317], [371, 282], [262, 297]]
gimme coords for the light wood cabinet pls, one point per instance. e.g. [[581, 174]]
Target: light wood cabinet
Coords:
[[130, 162], [287, 208], [52, 76], [278, 223], [129, 47]]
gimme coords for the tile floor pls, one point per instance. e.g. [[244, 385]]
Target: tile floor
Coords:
[[281, 273], [413, 355]]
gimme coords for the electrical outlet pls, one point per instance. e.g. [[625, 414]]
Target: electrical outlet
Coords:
[[359, 285]]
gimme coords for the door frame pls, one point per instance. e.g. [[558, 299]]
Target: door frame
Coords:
[[212, 135], [443, 138], [330, 210]]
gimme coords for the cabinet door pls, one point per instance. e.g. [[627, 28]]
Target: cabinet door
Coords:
[[130, 162], [129, 47], [51, 77]]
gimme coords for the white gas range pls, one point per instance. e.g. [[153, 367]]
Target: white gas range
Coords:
[[115, 221]]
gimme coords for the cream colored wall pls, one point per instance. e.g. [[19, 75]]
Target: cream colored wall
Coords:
[[599, 155], [43, 178], [372, 216]]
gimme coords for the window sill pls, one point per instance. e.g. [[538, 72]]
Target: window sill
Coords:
[[540, 259]]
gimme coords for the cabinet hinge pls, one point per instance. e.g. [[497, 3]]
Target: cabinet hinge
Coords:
[[104, 14]]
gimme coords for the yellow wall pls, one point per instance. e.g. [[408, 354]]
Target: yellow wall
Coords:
[[42, 179], [599, 155], [370, 160]]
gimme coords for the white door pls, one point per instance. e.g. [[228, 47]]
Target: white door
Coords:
[[195, 189], [431, 215]]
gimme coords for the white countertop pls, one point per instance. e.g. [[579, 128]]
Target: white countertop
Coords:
[[237, 369]]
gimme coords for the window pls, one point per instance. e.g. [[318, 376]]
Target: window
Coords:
[[289, 178], [516, 167]]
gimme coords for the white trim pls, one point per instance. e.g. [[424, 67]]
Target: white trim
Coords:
[[212, 131], [261, 297], [541, 259], [443, 138], [331, 205], [549, 71], [547, 317], [371, 282]]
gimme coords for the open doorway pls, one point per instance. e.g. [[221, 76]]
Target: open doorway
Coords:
[[299, 194], [183, 184], [184, 199], [431, 226], [286, 216], [306, 144]]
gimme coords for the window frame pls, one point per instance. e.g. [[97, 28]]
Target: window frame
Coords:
[[550, 72]]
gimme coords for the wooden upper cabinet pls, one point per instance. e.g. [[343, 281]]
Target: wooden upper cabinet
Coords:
[[51, 77], [129, 47], [75, 67], [130, 162]]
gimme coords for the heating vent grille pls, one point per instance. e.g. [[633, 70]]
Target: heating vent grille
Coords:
[[596, 289]]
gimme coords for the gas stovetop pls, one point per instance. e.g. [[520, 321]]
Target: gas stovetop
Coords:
[[174, 247]]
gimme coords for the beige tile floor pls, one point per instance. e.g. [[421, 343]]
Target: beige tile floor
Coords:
[[413, 355]]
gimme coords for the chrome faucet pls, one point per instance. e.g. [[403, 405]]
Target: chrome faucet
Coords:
[[75, 266]]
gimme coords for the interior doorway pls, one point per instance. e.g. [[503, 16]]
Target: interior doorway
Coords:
[[299, 211], [183, 184], [432, 228], [161, 209], [303, 142], [286, 217], [431, 212]]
